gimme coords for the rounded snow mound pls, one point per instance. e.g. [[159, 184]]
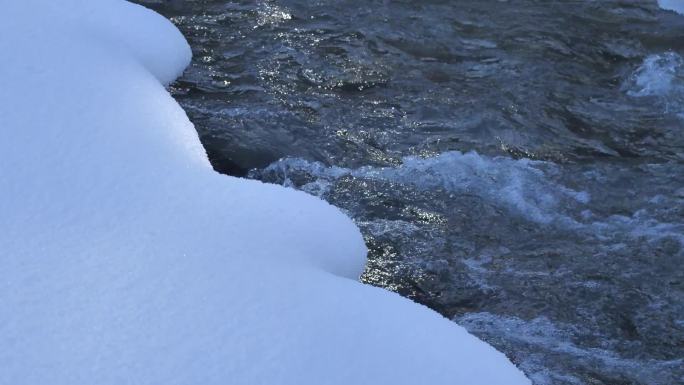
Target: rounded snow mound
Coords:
[[127, 260]]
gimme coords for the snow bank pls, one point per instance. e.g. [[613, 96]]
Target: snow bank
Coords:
[[672, 5], [126, 260]]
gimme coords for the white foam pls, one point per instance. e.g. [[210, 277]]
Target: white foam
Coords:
[[528, 188], [660, 76], [657, 76], [521, 185]]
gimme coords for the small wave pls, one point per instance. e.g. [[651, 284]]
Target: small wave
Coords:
[[660, 76], [533, 190], [521, 185]]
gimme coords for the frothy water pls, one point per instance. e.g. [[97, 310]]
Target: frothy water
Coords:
[[519, 185], [549, 345], [660, 76], [532, 243], [518, 168]]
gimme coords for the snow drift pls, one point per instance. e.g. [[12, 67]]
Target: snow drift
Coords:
[[126, 259], [672, 5]]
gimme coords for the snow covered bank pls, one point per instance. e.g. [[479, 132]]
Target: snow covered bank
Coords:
[[672, 5], [126, 259]]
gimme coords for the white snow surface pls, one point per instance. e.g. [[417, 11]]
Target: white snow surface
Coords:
[[125, 259], [672, 5]]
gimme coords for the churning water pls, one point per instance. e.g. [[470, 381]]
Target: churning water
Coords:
[[516, 165]]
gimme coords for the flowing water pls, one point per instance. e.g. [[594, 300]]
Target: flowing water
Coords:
[[518, 165]]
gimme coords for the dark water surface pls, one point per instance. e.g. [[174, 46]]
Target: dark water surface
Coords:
[[517, 165]]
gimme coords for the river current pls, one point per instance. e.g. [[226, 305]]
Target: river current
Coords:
[[518, 165]]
